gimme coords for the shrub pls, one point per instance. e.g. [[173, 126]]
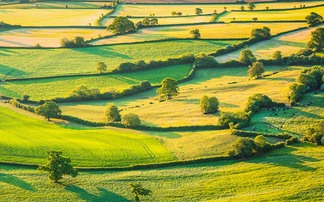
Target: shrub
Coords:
[[131, 120], [260, 34], [204, 61], [257, 102], [145, 85], [112, 113], [238, 119], [277, 57], [296, 92], [209, 105], [243, 147]]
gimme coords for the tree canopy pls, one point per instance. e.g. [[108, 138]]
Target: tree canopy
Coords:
[[168, 89], [49, 110], [101, 67], [317, 40], [121, 25], [256, 70], [314, 19], [195, 33], [247, 57], [112, 112], [209, 105]]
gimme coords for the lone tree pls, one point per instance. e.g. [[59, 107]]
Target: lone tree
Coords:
[[112, 113], [209, 105], [296, 92], [195, 33], [138, 190], [317, 40], [121, 25], [247, 57], [130, 120], [198, 11], [49, 110], [251, 6], [101, 67], [179, 14], [256, 70], [58, 166], [261, 33], [168, 89], [314, 19], [277, 57], [243, 147]]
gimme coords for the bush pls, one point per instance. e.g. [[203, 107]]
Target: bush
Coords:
[[277, 57], [112, 113], [238, 120], [305, 52], [296, 92], [260, 34], [204, 61], [243, 147], [131, 120], [17, 104], [209, 105], [257, 102], [84, 93]]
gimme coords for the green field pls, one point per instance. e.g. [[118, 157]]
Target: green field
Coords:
[[291, 174], [62, 87], [49, 62], [271, 15], [25, 139], [55, 5], [209, 31]]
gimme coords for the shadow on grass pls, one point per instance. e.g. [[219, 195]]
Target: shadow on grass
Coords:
[[104, 195], [15, 181], [102, 52]]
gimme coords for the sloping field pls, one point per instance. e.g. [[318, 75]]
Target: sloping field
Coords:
[[186, 1], [288, 44], [29, 37], [51, 17], [25, 139], [299, 14], [62, 87], [48, 62], [55, 5], [218, 31]]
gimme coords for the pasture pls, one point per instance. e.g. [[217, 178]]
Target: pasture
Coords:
[[56, 5], [207, 31], [51, 17]]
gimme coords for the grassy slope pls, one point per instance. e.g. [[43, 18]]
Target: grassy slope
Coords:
[[82, 60], [294, 173], [206, 31], [55, 5], [25, 139], [62, 87]]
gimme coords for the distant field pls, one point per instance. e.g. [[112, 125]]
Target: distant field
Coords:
[[51, 17], [87, 147], [206, 31], [62, 87], [49, 62], [55, 5], [299, 14], [184, 109], [187, 1], [189, 9], [288, 44], [28, 37]]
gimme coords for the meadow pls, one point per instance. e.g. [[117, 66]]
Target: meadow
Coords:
[[62, 87], [290, 174], [207, 31], [56, 5], [52, 17], [39, 62]]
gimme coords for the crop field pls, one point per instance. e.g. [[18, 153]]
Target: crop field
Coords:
[[83, 60], [88, 147], [55, 5], [209, 31], [45, 37], [268, 177], [62, 87], [51, 17], [299, 14]]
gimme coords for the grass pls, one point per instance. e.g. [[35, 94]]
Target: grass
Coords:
[[207, 31], [29, 37], [25, 139], [291, 174], [51, 17], [271, 15], [55, 5], [62, 87], [49, 62], [288, 44]]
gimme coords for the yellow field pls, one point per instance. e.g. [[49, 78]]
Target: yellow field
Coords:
[[42, 5], [206, 31], [51, 17], [28, 37], [165, 10]]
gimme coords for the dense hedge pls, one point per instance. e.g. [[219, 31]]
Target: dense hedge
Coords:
[[260, 101], [244, 133], [17, 104]]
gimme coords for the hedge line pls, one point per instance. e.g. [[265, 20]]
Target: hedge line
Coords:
[[279, 9], [244, 133]]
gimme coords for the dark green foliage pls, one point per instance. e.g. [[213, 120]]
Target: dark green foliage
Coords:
[[277, 57], [209, 105], [101, 67], [317, 40], [195, 33], [305, 52], [243, 147], [317, 72], [294, 59], [49, 110], [84, 93], [204, 61], [314, 19], [251, 6], [292, 140], [169, 87], [198, 11], [131, 120], [112, 113], [257, 102], [247, 57], [296, 92], [78, 41], [315, 134], [121, 25], [263, 33], [256, 69], [17, 104], [308, 80], [58, 166], [25, 98], [145, 85], [147, 21], [138, 190], [237, 120]]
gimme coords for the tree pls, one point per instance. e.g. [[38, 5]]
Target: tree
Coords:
[[296, 92], [256, 70], [49, 110], [138, 190], [308, 80], [247, 57], [242, 8], [195, 33], [314, 19], [101, 67], [243, 147], [263, 33], [198, 11], [277, 57], [317, 40], [168, 89], [179, 14], [209, 105], [121, 25], [58, 166], [203, 61], [112, 112], [251, 6], [130, 120], [174, 13]]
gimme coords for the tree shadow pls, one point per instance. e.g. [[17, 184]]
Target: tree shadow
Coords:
[[104, 194], [102, 51], [15, 181], [6, 70]]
